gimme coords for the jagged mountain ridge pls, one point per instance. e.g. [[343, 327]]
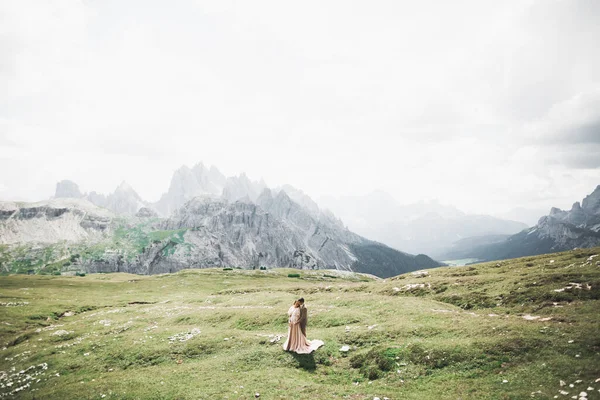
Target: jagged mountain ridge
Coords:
[[251, 235], [186, 183], [208, 231], [124, 200], [560, 230]]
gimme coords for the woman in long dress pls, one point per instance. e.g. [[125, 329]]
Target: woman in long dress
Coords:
[[296, 341]]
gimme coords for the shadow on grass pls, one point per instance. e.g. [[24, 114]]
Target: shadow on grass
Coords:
[[305, 361]]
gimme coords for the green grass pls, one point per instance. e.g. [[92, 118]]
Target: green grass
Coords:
[[458, 332], [128, 241]]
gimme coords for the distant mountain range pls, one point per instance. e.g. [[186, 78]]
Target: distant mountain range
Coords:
[[558, 231], [186, 184], [425, 227], [208, 220]]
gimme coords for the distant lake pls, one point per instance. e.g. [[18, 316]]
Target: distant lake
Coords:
[[461, 262]]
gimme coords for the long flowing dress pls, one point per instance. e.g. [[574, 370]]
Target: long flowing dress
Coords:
[[296, 341]]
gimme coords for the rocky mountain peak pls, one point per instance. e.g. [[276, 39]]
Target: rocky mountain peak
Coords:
[[183, 170], [199, 168], [283, 197], [266, 194], [240, 186], [556, 212], [182, 176], [265, 199], [188, 183], [591, 203], [301, 198], [124, 200], [217, 177], [583, 215], [126, 189], [67, 189], [282, 204]]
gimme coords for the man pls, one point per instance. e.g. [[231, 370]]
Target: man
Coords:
[[303, 316]]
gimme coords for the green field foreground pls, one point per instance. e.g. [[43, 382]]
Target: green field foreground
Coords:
[[514, 329]]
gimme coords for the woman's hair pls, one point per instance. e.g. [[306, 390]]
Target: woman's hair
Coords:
[[297, 303]]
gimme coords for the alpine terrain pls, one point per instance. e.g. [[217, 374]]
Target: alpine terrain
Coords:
[[560, 230], [208, 221]]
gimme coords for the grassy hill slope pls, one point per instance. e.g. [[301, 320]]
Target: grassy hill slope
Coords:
[[512, 329]]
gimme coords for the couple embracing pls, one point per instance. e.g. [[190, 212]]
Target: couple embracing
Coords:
[[296, 341]]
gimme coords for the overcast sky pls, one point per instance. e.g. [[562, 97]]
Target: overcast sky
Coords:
[[483, 104]]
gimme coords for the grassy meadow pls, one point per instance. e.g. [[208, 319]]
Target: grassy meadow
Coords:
[[514, 329]]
